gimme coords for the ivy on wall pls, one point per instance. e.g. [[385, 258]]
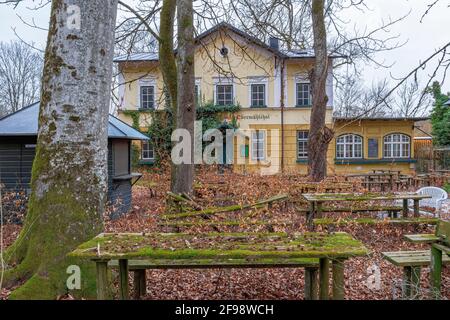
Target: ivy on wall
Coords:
[[163, 124]]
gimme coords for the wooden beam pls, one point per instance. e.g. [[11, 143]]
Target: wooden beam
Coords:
[[123, 277], [338, 279], [102, 280], [324, 277]]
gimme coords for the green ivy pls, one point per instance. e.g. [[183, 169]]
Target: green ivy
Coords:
[[163, 124]]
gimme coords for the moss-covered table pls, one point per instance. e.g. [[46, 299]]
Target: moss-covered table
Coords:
[[316, 201], [221, 250]]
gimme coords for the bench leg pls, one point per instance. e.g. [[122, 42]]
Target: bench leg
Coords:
[[123, 279], [102, 280], [416, 208], [140, 285], [415, 282], [324, 277], [311, 283], [411, 282], [435, 273], [406, 284], [338, 280]]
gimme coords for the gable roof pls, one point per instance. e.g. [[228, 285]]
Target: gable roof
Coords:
[[25, 123], [291, 54]]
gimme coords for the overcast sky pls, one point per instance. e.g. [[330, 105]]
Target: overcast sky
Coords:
[[422, 38]]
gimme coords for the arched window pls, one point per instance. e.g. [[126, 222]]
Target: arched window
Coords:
[[397, 145], [349, 146]]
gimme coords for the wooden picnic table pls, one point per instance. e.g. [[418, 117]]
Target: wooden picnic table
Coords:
[[440, 245], [219, 250], [380, 178], [316, 201]]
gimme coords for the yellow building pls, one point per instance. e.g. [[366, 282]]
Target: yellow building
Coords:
[[272, 87]]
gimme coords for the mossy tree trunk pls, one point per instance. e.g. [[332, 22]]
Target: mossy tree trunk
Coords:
[[69, 177], [184, 173], [167, 59], [319, 135]]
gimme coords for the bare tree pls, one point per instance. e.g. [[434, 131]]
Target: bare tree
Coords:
[[348, 96], [69, 178], [411, 101], [20, 73]]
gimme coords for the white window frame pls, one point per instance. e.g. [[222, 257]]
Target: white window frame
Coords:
[[140, 95], [390, 146], [150, 149], [349, 153], [305, 142], [224, 81], [258, 81], [302, 79], [259, 156], [147, 82]]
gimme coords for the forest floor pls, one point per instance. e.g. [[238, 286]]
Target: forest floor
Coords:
[[149, 201]]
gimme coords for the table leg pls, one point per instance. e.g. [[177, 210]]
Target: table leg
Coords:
[[338, 280], [140, 285], [123, 279], [405, 208], [310, 216], [416, 208], [102, 280], [319, 210], [311, 283], [435, 272], [324, 277]]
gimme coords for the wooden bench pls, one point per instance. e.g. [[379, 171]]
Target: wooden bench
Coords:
[[411, 262], [372, 221], [138, 267], [440, 249]]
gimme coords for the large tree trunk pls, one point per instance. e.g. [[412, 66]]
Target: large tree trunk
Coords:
[[166, 54], [69, 177], [167, 61], [184, 173], [319, 135]]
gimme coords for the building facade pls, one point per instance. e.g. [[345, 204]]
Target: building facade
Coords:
[[272, 87]]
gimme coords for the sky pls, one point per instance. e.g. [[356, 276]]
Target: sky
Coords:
[[422, 38]]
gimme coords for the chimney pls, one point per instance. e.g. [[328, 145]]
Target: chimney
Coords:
[[274, 43]]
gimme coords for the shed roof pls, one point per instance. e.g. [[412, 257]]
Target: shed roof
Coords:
[[25, 123]]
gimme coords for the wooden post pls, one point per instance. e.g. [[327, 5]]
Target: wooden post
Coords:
[[406, 284], [311, 283], [416, 208], [139, 283], [310, 217], [318, 210], [338, 279], [123, 279], [415, 282], [405, 208], [435, 272], [102, 280], [324, 277]]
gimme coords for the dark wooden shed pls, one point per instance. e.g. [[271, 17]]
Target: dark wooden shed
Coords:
[[18, 135]]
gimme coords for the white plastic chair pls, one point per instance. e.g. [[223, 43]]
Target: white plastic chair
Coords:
[[438, 196]]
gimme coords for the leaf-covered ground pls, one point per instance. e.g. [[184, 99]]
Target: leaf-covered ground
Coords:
[[149, 203]]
